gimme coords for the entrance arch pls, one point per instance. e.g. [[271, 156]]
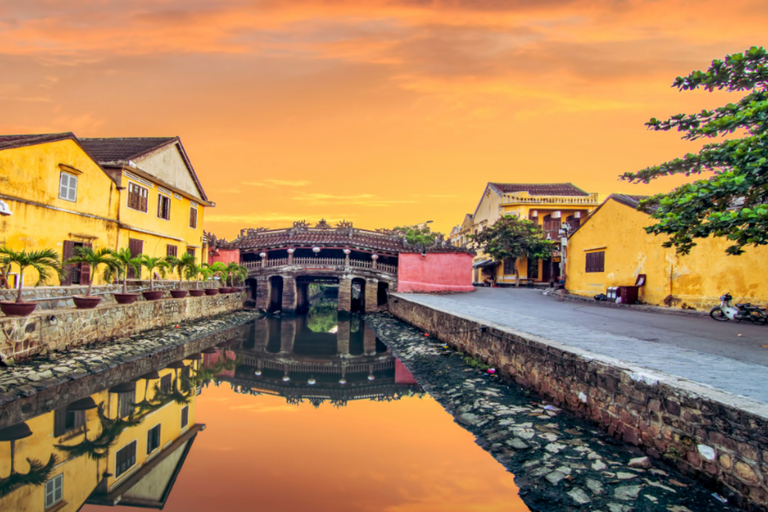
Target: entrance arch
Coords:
[[358, 295], [275, 293]]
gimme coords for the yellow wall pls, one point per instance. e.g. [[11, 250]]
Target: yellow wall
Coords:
[[45, 221], [695, 280], [82, 474], [164, 231]]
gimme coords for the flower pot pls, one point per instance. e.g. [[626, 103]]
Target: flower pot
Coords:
[[125, 298], [197, 293], [86, 302], [224, 289], [211, 291], [178, 294], [18, 308], [154, 295]]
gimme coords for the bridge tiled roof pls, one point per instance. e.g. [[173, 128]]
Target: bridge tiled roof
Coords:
[[335, 237]]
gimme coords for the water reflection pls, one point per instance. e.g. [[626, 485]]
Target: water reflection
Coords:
[[343, 361], [123, 444]]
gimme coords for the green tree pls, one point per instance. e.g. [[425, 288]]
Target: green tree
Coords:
[[417, 235], [152, 264], [219, 269], [732, 202], [94, 259], [513, 237], [44, 261]]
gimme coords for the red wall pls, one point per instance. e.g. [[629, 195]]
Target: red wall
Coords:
[[435, 272], [224, 255]]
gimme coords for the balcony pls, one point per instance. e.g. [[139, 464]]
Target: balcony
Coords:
[[513, 199]]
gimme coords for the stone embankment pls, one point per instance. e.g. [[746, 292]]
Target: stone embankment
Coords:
[[37, 386], [561, 463], [56, 297], [717, 437], [22, 338]]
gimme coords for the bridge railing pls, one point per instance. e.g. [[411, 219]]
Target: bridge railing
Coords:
[[322, 262]]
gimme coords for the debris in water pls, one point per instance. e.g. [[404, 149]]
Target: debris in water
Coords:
[[491, 370], [721, 499]]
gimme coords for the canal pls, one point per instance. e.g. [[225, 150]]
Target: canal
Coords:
[[287, 414]]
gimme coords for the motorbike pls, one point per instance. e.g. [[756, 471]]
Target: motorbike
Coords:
[[746, 311]]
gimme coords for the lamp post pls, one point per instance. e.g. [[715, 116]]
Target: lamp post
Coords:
[[563, 232]]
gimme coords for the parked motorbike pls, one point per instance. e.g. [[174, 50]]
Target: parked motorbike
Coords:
[[727, 311]]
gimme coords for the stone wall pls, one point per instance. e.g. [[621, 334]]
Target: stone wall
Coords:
[[718, 438], [45, 331], [53, 297]]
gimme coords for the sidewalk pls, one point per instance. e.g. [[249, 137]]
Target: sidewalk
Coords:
[[728, 356]]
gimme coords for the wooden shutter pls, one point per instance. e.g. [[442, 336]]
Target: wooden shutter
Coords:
[[193, 218], [171, 250], [85, 270], [67, 252], [136, 247], [191, 250]]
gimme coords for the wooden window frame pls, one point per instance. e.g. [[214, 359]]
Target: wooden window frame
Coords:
[[126, 403], [509, 265], [68, 186], [153, 438], [65, 421], [193, 217], [119, 469], [53, 491], [163, 207], [171, 250], [185, 417], [595, 262], [138, 197], [191, 250]]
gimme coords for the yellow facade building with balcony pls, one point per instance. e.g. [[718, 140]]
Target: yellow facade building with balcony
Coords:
[[144, 452], [547, 204], [62, 192]]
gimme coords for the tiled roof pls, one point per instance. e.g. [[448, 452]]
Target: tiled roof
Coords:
[[628, 200], [540, 189], [17, 141], [122, 149], [338, 238]]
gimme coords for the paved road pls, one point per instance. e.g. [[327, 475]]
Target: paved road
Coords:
[[693, 347]]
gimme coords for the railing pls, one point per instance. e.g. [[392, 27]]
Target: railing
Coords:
[[575, 200], [322, 262], [332, 368]]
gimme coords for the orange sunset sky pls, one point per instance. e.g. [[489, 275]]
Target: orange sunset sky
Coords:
[[380, 112]]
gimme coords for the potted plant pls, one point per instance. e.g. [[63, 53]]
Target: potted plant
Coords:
[[44, 261], [207, 271], [194, 271], [152, 264], [239, 274], [92, 258], [179, 265], [219, 269], [124, 260]]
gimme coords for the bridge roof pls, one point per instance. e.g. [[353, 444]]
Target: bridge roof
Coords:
[[338, 237]]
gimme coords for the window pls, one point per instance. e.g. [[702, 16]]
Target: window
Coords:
[[171, 250], [163, 207], [125, 458], [509, 266], [153, 439], [68, 187], [185, 416], [193, 216], [65, 421], [53, 490], [596, 261], [137, 197], [125, 403], [165, 384], [191, 250]]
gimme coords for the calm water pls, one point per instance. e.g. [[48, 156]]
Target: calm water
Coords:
[[296, 414]]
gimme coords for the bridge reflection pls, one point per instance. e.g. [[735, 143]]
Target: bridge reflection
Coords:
[[286, 357]]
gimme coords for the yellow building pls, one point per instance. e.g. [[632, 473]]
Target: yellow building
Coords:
[[548, 204], [61, 192], [162, 201], [611, 249], [460, 234], [56, 197], [138, 467]]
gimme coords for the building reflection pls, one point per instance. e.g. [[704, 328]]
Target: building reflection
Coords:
[[125, 444], [343, 361]]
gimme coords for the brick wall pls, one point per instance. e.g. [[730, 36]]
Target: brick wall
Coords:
[[45, 331], [718, 438]]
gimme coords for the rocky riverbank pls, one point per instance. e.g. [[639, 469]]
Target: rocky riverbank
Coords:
[[560, 463]]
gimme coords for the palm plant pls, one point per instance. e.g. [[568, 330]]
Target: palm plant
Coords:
[[240, 273], [195, 271], [219, 269], [233, 269], [44, 261], [124, 260], [94, 258], [180, 265], [152, 264]]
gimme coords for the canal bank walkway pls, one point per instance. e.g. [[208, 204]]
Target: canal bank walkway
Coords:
[[729, 356]]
